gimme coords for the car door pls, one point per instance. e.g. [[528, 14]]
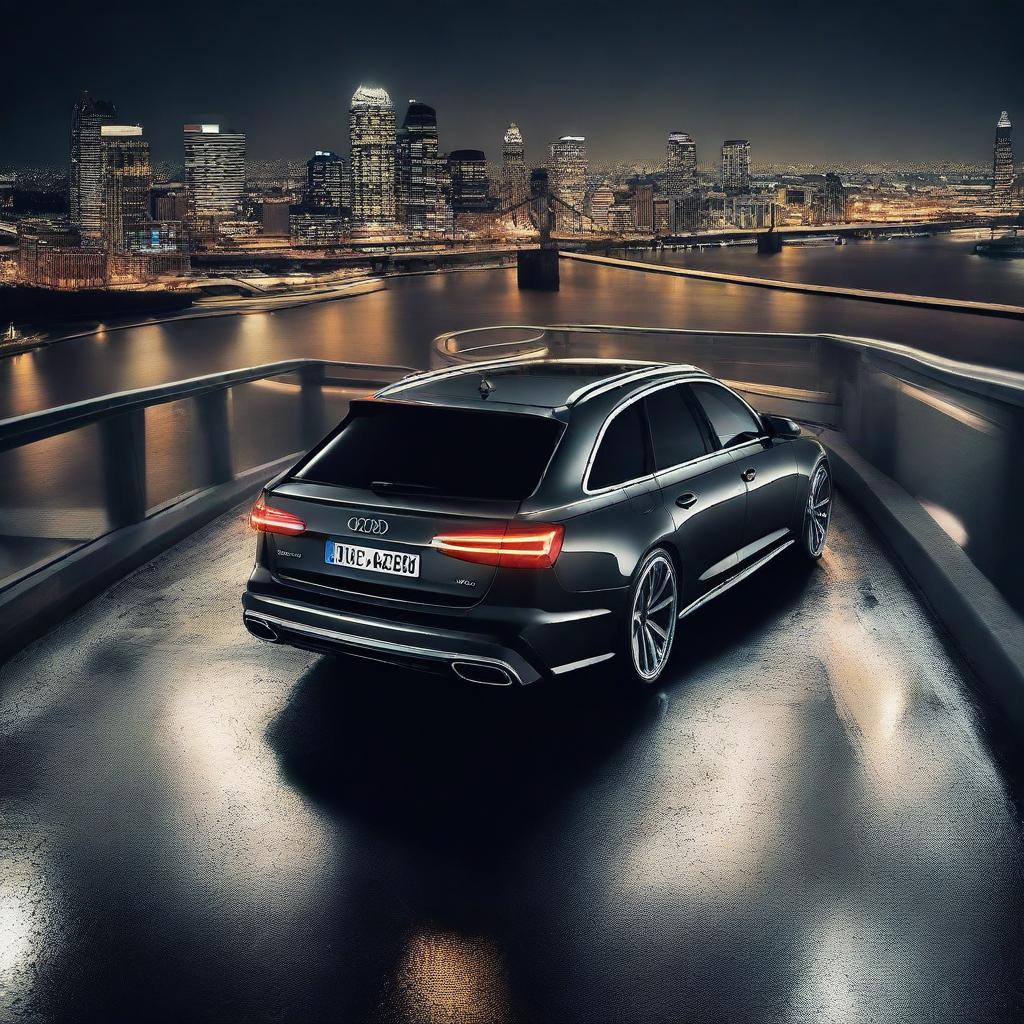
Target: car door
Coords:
[[627, 508], [703, 490], [766, 465]]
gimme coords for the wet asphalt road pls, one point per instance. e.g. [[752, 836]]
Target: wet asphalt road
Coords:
[[805, 823]]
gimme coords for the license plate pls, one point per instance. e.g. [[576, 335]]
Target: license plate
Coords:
[[355, 556]]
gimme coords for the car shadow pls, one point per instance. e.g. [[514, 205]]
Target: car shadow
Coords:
[[440, 761]]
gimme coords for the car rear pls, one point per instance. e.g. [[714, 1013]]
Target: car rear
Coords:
[[399, 538]]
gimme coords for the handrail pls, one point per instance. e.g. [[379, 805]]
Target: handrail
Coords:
[[36, 426], [1007, 385]]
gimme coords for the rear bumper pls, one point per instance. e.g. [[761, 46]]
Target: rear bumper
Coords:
[[529, 644]]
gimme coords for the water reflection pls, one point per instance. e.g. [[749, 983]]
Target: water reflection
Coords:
[[397, 324]]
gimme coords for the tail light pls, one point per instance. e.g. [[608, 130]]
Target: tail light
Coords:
[[516, 546], [265, 519]]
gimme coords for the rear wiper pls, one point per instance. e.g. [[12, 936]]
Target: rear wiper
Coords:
[[398, 487]]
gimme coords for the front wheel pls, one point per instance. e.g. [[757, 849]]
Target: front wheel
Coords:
[[654, 607], [817, 511]]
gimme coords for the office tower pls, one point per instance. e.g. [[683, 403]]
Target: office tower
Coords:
[[1002, 160], [214, 171], [748, 211], [833, 199], [680, 164], [168, 201], [325, 180], [126, 179], [686, 212], [469, 188], [569, 179], [275, 216], [85, 203], [601, 200], [515, 183], [416, 156], [371, 125], [736, 167], [641, 205]]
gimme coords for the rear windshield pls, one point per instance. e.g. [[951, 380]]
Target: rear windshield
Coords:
[[418, 449]]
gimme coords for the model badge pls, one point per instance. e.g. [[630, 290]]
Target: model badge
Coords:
[[360, 524], [466, 583]]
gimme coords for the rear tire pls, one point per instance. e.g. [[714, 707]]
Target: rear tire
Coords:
[[817, 511], [653, 614]]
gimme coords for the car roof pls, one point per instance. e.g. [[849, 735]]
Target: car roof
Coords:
[[542, 385]]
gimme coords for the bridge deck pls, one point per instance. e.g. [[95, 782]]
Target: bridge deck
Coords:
[[804, 824]]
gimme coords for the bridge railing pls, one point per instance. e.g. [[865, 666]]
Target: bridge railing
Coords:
[[948, 432], [92, 488]]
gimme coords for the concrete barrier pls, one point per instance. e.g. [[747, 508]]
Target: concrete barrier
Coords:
[[982, 624]]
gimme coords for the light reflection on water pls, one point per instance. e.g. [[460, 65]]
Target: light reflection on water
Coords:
[[397, 325], [944, 265]]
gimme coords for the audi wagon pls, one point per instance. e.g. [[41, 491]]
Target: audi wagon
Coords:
[[519, 520]]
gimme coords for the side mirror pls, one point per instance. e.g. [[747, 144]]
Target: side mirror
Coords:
[[781, 426]]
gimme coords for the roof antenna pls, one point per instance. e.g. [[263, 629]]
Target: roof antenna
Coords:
[[486, 387]]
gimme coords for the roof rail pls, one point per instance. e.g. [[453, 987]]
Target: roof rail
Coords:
[[600, 387]]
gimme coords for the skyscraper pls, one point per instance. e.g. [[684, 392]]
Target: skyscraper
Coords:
[[833, 199], [736, 167], [680, 164], [642, 207], [85, 202], [371, 125], [515, 184], [470, 187], [569, 178], [214, 171], [126, 180], [325, 180], [1002, 160], [599, 203], [420, 203]]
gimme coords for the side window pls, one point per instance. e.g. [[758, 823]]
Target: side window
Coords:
[[730, 418], [623, 452], [676, 435]]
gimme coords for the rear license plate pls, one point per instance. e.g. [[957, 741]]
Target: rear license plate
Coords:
[[355, 556]]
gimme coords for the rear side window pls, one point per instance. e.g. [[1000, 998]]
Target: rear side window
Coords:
[[422, 449], [622, 455], [674, 430], [730, 418]]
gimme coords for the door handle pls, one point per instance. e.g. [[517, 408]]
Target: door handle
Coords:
[[686, 500], [748, 475]]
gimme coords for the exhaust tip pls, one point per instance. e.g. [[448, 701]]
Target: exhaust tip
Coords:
[[261, 630], [479, 672]]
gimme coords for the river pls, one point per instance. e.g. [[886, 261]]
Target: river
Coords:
[[943, 265], [397, 325]]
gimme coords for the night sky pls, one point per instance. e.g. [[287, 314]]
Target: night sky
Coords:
[[803, 81]]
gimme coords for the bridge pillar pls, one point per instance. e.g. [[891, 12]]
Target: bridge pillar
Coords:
[[123, 455], [769, 243], [213, 437], [537, 269]]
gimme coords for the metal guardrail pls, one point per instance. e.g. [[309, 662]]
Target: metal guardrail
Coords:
[[91, 488], [950, 433]]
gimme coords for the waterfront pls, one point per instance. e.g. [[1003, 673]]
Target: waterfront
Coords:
[[397, 325], [942, 265]]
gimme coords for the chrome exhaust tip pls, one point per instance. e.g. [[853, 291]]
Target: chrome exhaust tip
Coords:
[[482, 673], [261, 630]]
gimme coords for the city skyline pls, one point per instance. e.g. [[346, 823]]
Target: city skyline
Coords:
[[883, 91]]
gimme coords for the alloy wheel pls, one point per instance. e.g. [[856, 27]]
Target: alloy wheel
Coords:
[[819, 510], [653, 617]]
